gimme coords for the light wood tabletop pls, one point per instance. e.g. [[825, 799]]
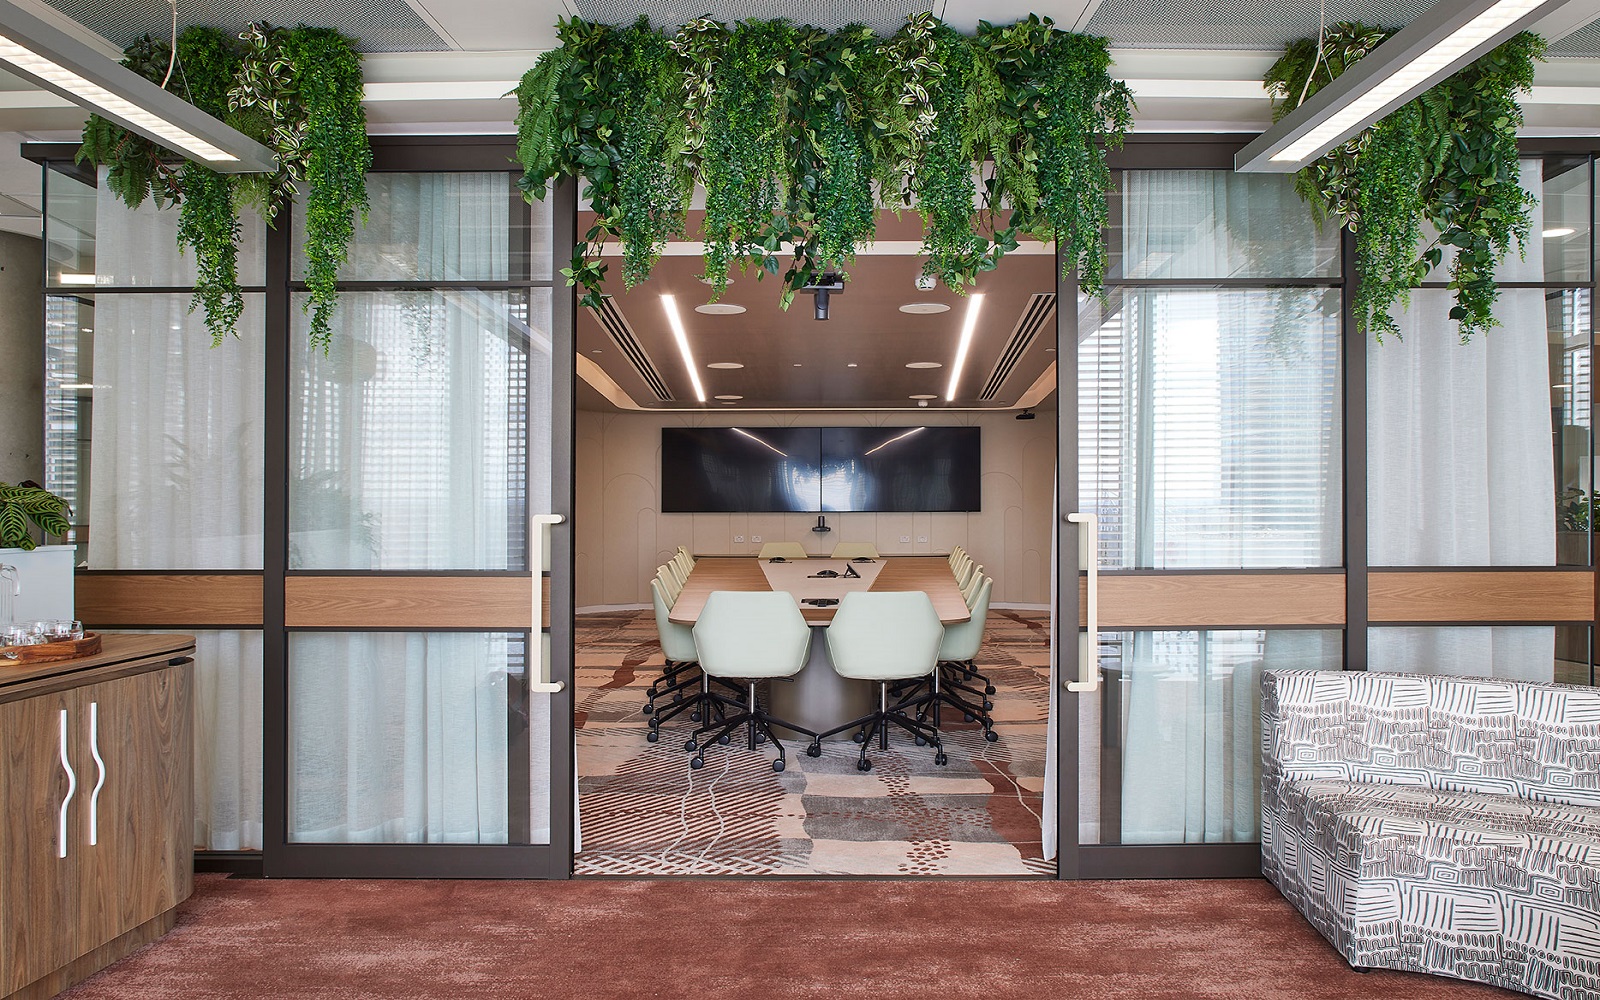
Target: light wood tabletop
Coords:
[[929, 574]]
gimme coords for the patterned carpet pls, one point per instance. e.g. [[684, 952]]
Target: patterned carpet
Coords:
[[644, 812]]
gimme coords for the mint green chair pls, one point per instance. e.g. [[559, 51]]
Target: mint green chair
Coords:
[[751, 636], [677, 646], [855, 550], [782, 550], [960, 647], [884, 637]]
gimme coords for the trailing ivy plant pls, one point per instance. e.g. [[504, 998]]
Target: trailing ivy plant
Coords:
[[297, 91], [1447, 158], [799, 136]]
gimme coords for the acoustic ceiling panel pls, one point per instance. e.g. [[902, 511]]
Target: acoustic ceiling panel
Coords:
[[376, 25], [1581, 44], [1235, 24], [883, 16]]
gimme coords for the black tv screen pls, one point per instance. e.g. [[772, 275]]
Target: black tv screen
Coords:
[[812, 469], [901, 469]]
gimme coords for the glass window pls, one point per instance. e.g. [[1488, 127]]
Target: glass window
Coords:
[[408, 738], [1563, 219], [1567, 318], [1209, 427], [409, 441], [1170, 753], [1177, 224], [1516, 652]]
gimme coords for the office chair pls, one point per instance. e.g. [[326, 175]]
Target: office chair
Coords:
[[782, 550], [855, 550], [956, 555], [669, 582], [750, 636], [972, 585], [957, 651], [884, 637], [677, 644], [970, 572]]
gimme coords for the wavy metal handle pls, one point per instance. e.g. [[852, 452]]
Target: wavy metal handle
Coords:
[[539, 681], [100, 782], [72, 789], [1088, 661]]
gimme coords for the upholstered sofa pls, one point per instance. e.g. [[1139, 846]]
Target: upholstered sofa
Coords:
[[1438, 824]]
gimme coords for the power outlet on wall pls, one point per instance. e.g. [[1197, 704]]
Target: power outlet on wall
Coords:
[[755, 538], [738, 539], [905, 538], [922, 539]]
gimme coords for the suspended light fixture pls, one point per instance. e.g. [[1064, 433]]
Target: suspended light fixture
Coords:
[[53, 59], [1440, 41]]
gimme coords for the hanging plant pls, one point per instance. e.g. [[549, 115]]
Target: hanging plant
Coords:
[[1448, 157], [297, 91], [799, 136]]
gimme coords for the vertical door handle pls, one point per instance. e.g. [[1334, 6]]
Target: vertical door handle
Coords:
[[1088, 661], [72, 789], [100, 781], [539, 681]]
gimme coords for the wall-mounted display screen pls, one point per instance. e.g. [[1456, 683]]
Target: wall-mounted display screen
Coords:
[[811, 469]]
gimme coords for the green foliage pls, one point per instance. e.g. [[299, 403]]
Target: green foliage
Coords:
[[1574, 510], [1448, 158], [799, 136], [28, 502], [297, 91]]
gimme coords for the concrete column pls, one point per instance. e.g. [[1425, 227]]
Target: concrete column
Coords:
[[21, 358]]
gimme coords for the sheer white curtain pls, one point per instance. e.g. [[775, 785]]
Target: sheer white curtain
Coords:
[[409, 444], [175, 477], [1460, 466]]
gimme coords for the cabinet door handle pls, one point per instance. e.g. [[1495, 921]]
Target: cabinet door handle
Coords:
[[72, 789], [100, 782]]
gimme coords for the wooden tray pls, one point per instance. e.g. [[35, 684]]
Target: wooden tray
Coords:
[[49, 652]]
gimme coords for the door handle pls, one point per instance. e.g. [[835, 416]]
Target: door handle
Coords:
[[72, 789], [539, 681], [1088, 665], [100, 782]]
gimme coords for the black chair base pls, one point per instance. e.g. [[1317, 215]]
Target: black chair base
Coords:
[[702, 705], [877, 725], [760, 725]]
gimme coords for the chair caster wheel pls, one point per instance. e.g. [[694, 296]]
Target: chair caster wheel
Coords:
[[989, 689], [859, 737], [694, 716], [968, 716], [690, 745], [941, 758], [921, 741], [777, 765], [677, 696], [651, 736], [648, 708], [696, 762], [814, 750], [761, 738], [988, 706], [724, 739], [991, 735], [863, 765]]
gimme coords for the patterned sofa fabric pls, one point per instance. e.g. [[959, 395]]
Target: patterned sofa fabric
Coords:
[[1439, 824]]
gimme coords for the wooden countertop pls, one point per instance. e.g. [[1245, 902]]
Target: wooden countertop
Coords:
[[137, 652], [929, 574]]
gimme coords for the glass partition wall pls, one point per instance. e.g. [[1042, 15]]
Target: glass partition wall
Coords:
[[347, 532]]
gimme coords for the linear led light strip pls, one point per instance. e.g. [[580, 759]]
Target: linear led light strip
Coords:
[[670, 304], [968, 328], [1426, 64], [31, 62]]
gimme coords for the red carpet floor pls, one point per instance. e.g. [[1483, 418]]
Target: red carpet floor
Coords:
[[611, 938]]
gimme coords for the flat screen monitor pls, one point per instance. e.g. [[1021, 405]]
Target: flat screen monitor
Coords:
[[812, 469], [901, 469], [735, 469]]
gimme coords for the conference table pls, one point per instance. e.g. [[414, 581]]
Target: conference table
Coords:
[[817, 698]]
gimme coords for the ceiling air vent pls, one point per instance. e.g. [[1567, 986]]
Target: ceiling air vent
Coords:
[[1041, 307], [627, 342]]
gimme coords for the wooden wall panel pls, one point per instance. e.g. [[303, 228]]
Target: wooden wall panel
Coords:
[[411, 602], [1194, 600], [1481, 596], [147, 600]]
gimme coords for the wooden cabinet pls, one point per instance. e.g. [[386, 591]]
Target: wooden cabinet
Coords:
[[96, 790]]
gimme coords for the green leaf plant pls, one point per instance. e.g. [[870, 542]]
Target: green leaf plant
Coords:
[[1447, 159], [29, 502], [296, 91], [798, 136]]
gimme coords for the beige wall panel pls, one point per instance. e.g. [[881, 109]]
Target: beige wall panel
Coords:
[[618, 476]]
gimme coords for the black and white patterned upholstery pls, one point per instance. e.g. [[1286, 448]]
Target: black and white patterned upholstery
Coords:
[[1447, 825]]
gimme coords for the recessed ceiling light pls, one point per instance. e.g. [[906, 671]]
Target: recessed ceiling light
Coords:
[[1551, 234], [798, 365], [669, 305], [594, 352], [1049, 350], [969, 326], [726, 398], [725, 365], [852, 364], [729, 402], [924, 308], [925, 364], [706, 281], [719, 309], [924, 395]]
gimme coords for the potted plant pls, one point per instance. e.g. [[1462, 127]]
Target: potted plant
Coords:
[[1574, 508], [44, 571]]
